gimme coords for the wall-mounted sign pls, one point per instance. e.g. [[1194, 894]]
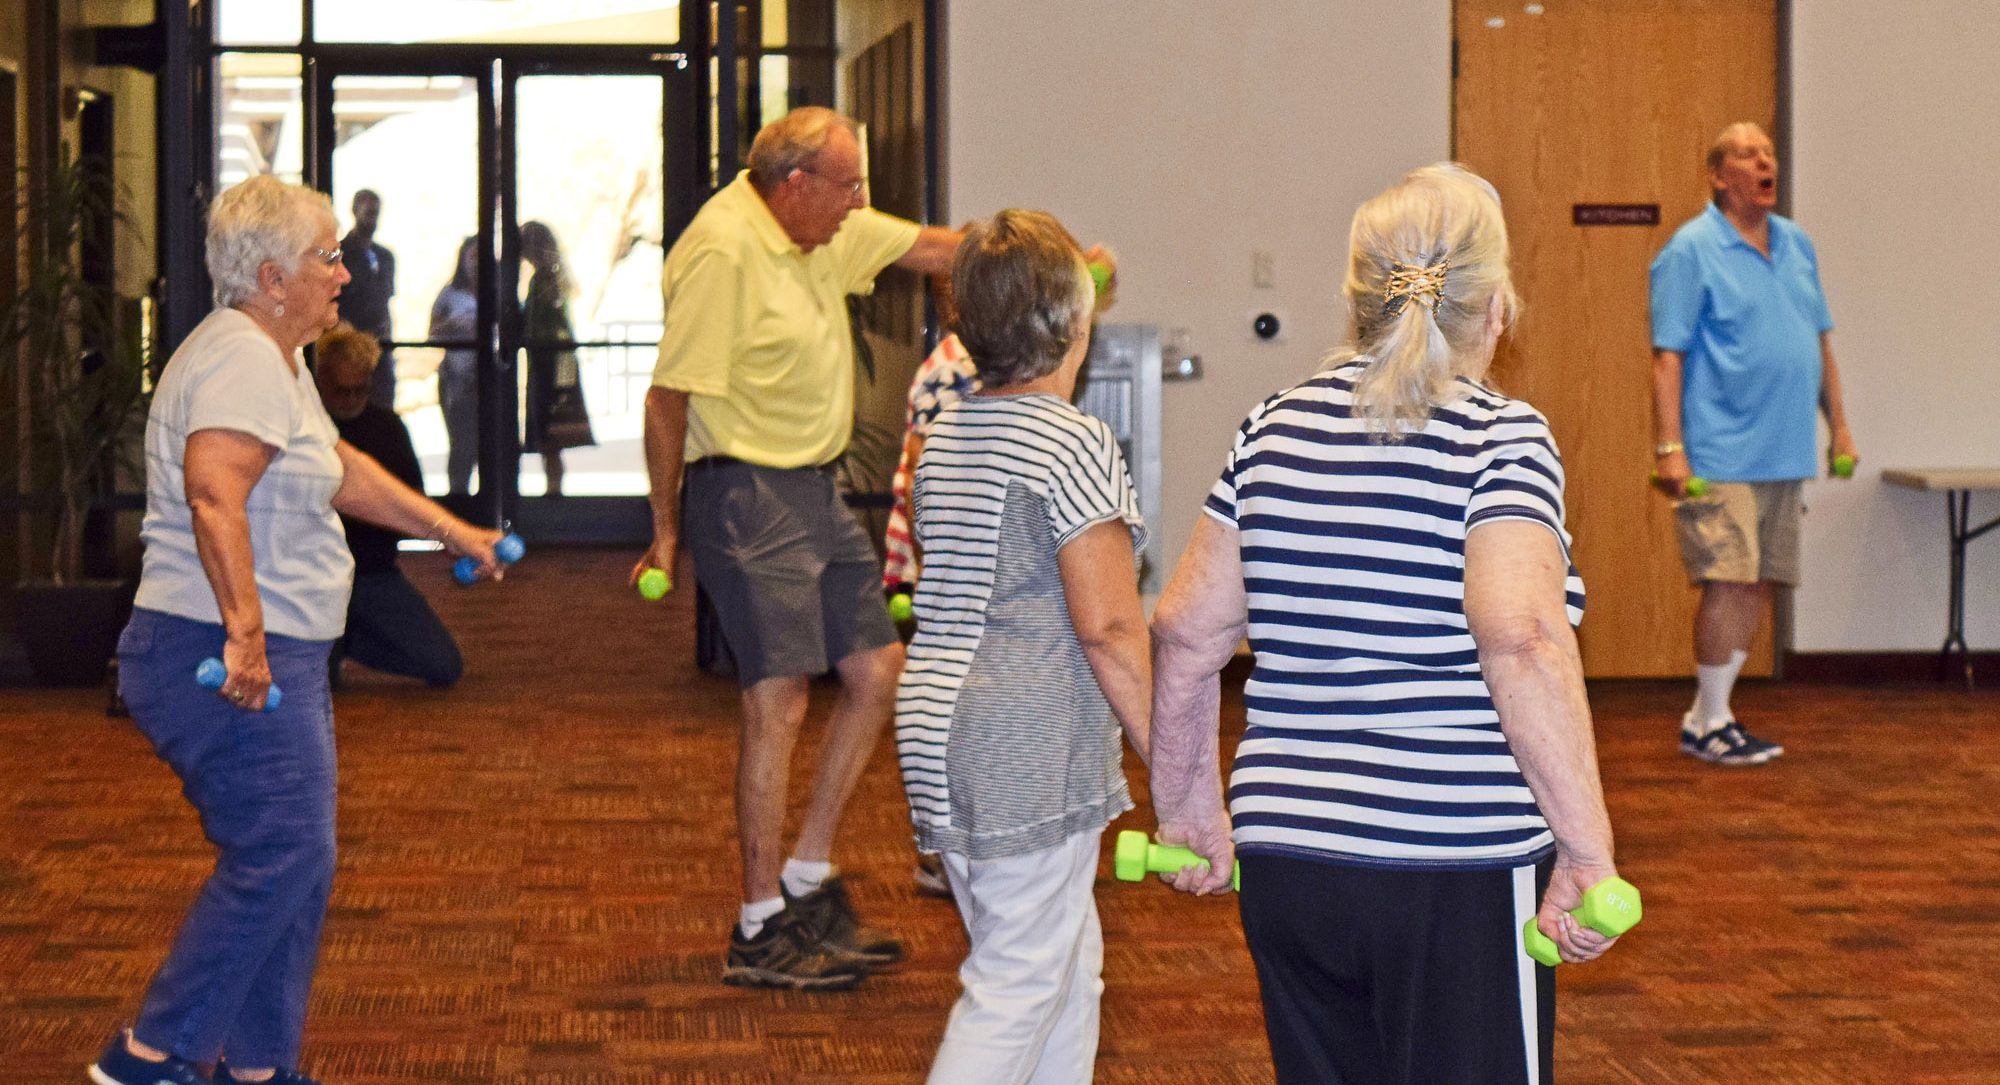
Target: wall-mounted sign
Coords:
[[1615, 214]]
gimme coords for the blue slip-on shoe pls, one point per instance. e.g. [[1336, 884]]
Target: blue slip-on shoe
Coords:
[[117, 1065]]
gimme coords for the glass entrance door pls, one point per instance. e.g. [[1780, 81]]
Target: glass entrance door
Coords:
[[404, 155], [519, 219], [587, 203]]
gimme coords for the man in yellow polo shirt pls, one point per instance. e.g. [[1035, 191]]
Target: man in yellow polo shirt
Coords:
[[752, 401]]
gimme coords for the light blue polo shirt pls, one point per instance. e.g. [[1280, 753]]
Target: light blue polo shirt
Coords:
[[1747, 328]]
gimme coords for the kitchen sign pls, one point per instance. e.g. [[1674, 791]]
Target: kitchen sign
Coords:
[[1615, 214]]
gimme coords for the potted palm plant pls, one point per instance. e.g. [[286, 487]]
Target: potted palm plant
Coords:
[[74, 357]]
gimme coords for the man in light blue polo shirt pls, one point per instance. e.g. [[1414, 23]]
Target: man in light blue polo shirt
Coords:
[[1742, 358]]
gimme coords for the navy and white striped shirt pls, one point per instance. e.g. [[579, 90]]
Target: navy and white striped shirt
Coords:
[[1005, 740], [1372, 737]]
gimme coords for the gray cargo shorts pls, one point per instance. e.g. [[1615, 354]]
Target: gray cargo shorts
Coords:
[[795, 584]]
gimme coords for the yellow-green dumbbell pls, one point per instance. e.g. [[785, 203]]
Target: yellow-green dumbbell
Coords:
[[1611, 907], [1697, 486], [654, 584], [1100, 278], [1135, 857]]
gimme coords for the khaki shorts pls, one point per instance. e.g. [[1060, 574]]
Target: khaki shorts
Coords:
[[1742, 532]]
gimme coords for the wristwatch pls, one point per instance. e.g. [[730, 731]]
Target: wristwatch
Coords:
[[1668, 448]]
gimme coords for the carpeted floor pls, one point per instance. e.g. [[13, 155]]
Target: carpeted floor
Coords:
[[538, 869]]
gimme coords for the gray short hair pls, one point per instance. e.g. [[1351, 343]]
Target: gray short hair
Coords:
[[792, 141], [1719, 150], [1022, 291], [263, 220]]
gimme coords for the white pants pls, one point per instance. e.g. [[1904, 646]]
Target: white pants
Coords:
[[1034, 977]]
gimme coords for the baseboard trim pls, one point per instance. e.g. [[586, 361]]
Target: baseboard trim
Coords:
[[1881, 668], [1823, 668]]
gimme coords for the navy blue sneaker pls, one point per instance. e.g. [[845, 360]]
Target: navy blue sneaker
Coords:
[[1728, 744], [281, 1077], [829, 915], [117, 1065]]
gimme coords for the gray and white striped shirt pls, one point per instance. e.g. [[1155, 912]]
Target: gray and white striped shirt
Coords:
[[1006, 743]]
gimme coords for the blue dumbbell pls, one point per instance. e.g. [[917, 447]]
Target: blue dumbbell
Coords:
[[509, 549], [210, 674]]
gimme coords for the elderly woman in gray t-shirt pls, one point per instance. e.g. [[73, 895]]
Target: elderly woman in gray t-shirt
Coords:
[[1030, 639], [246, 562]]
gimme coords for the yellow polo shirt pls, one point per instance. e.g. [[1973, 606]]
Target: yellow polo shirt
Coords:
[[757, 331]]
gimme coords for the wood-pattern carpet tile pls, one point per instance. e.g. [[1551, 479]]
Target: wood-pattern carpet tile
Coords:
[[538, 871]]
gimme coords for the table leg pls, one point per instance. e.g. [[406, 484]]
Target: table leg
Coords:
[[1957, 508]]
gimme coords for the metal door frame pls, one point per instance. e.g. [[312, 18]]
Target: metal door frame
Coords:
[[496, 72]]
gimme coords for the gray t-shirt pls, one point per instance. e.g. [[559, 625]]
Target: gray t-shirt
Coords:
[[1006, 742], [229, 374]]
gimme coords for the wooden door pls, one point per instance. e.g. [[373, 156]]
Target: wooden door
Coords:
[[1609, 102]]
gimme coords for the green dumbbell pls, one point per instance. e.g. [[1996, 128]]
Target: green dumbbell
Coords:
[[1100, 277], [1843, 466], [1697, 486], [1135, 857], [654, 584], [1611, 907]]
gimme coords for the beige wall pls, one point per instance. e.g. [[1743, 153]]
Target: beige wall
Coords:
[[1193, 137], [1892, 161], [1186, 140]]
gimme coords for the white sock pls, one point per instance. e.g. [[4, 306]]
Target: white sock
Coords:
[[1713, 684], [801, 877], [756, 912]]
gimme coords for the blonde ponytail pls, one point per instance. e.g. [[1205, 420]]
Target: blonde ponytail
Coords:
[[1426, 260]]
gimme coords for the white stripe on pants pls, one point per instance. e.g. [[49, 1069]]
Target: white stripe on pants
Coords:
[[1035, 974], [1526, 905]]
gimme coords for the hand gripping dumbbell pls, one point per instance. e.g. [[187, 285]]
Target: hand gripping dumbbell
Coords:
[[902, 607], [211, 674], [1135, 857], [1697, 486], [1611, 907], [509, 549]]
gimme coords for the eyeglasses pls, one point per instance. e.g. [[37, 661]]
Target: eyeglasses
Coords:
[[329, 257], [853, 187]]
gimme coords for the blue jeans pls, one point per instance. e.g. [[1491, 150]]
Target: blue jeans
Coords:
[[235, 982], [391, 627]]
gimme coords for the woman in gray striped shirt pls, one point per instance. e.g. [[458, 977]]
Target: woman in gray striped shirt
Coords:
[[1030, 637], [1418, 770]]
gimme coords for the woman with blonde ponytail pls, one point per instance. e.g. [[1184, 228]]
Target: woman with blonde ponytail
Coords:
[[1418, 779]]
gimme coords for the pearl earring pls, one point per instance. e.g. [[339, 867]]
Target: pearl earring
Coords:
[[281, 309]]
